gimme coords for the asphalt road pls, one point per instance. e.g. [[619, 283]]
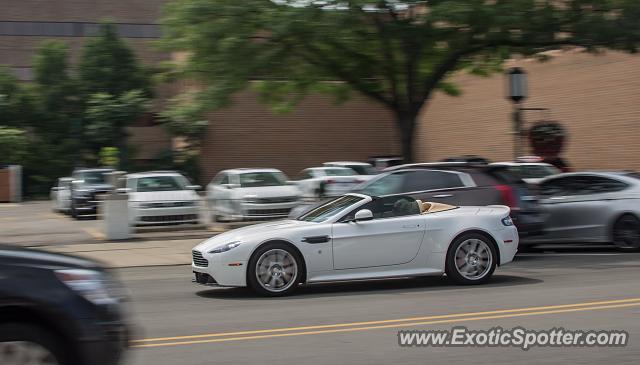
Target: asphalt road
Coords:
[[182, 323]]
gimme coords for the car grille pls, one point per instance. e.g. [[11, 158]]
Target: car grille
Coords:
[[169, 218], [281, 199], [199, 260], [168, 204], [267, 212]]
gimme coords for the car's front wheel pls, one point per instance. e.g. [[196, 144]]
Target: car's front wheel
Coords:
[[275, 269], [471, 259], [30, 345]]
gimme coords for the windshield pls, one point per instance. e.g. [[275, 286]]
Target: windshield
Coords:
[[94, 177], [256, 179], [330, 209], [339, 172], [535, 171], [160, 183]]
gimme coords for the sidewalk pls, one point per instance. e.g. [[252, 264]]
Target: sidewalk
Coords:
[[132, 253]]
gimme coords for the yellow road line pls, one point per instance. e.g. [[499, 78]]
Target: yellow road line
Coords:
[[362, 326]]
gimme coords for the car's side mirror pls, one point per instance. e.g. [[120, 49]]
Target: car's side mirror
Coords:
[[363, 215]]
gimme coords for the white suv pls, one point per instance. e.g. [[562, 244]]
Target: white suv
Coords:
[[251, 194]]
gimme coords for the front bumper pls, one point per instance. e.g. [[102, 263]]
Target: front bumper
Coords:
[[256, 211], [163, 216], [220, 269], [529, 223]]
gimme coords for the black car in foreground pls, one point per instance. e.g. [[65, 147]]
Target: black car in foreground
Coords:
[[58, 309]]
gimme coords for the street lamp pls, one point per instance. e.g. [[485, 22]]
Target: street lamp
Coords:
[[517, 89]]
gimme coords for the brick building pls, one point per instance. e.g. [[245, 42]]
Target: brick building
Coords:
[[25, 24], [597, 98]]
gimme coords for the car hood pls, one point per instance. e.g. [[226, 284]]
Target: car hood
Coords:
[[29, 257], [257, 232], [267, 191], [160, 196]]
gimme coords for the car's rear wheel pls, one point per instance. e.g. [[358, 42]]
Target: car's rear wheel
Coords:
[[626, 233], [26, 344], [471, 259], [274, 270]]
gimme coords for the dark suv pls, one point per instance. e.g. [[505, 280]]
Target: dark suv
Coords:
[[87, 186], [461, 183], [58, 309]]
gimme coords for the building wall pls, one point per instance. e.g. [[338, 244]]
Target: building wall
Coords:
[[597, 98], [248, 134], [25, 24]]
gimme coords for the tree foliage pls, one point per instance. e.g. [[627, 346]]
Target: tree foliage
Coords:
[[108, 65], [13, 145], [395, 52]]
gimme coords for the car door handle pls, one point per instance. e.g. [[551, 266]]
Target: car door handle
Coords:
[[442, 196], [316, 239], [410, 226]]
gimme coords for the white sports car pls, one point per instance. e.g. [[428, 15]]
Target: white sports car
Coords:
[[360, 237]]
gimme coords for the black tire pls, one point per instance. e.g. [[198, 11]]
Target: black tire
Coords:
[[252, 276], [74, 212], [626, 233], [451, 268], [23, 332]]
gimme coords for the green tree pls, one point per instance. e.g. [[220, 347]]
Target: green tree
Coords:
[[395, 52], [13, 145], [56, 91], [108, 65], [107, 116]]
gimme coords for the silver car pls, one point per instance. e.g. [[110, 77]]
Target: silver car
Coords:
[[592, 207]]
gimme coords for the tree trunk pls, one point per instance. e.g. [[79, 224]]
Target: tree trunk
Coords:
[[406, 122]]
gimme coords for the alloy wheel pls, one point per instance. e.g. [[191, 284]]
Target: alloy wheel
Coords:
[[473, 259], [276, 270]]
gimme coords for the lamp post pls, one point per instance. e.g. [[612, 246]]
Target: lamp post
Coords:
[[517, 92]]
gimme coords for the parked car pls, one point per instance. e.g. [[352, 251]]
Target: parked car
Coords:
[[162, 198], [57, 309], [61, 195], [251, 194], [531, 172], [355, 237], [382, 162], [592, 207], [364, 170], [319, 182], [86, 187], [462, 183]]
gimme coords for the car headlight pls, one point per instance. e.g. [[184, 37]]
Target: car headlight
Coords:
[[226, 247], [92, 285], [507, 221]]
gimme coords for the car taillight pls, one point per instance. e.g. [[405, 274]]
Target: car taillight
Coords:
[[330, 181], [508, 198]]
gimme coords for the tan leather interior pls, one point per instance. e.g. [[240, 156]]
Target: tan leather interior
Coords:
[[429, 207]]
